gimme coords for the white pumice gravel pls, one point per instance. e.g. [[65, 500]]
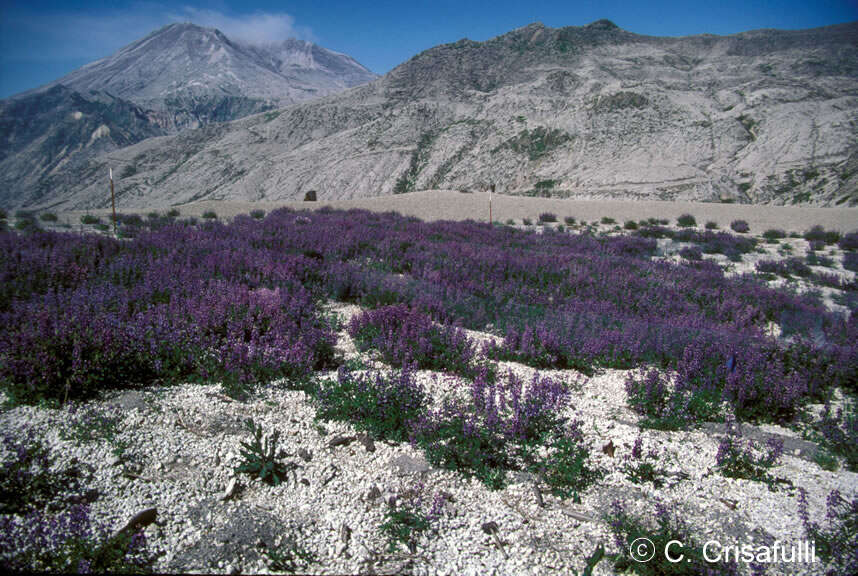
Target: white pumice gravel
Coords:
[[183, 443]]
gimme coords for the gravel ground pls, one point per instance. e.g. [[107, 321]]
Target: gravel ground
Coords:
[[183, 443], [452, 205]]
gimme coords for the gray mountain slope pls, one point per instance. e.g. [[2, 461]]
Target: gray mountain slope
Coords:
[[181, 76], [590, 112], [190, 75]]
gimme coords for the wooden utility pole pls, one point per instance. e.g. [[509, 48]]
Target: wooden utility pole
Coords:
[[491, 190], [113, 202]]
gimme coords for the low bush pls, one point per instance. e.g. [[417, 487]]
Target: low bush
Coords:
[[210, 215], [173, 213], [849, 241], [739, 459], [641, 467], [668, 536], [548, 217], [526, 221], [839, 431], [386, 406], [68, 542], [27, 481], [691, 253], [89, 219], [820, 234], [257, 214], [630, 225], [710, 225], [261, 458], [48, 217], [686, 221], [815, 259], [837, 541], [569, 220], [786, 268], [772, 235], [739, 226], [607, 220], [406, 337]]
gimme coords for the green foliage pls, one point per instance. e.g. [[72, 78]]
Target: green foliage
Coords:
[[257, 214], [48, 217], [607, 220], [384, 406], [536, 143], [403, 525], [669, 528], [289, 557], [419, 157], [173, 213], [260, 457], [630, 225], [26, 480], [686, 221], [210, 215], [570, 220], [89, 219], [565, 467], [710, 225]]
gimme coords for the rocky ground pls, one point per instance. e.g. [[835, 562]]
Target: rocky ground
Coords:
[[174, 449]]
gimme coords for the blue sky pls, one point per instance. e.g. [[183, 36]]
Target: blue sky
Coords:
[[42, 40]]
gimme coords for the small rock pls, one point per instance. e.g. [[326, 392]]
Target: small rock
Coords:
[[230, 489], [367, 442], [305, 482], [305, 454], [341, 440], [373, 494], [405, 464], [345, 534]]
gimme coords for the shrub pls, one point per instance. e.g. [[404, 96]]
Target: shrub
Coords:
[[547, 217], [209, 215], [173, 213], [499, 430], [630, 225], [257, 214], [27, 482], [772, 235], [849, 241], [510, 222], [89, 219], [665, 408], [691, 253], [816, 245], [310, 196], [526, 221], [68, 542], [607, 220], [289, 557], [710, 225], [388, 407], [405, 337], [738, 459], [820, 234], [786, 268], [686, 221], [27, 225], [404, 522], [48, 217], [739, 226], [668, 529], [642, 467], [814, 259], [839, 431], [569, 220], [262, 459], [836, 543]]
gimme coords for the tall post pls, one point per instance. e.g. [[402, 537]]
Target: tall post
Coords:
[[491, 190], [113, 202]]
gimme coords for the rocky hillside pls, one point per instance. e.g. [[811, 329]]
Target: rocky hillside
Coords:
[[181, 76], [590, 112]]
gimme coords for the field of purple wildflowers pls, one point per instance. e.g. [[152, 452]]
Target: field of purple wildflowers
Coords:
[[243, 303]]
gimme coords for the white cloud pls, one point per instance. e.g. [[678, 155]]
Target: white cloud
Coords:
[[255, 28], [33, 36]]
